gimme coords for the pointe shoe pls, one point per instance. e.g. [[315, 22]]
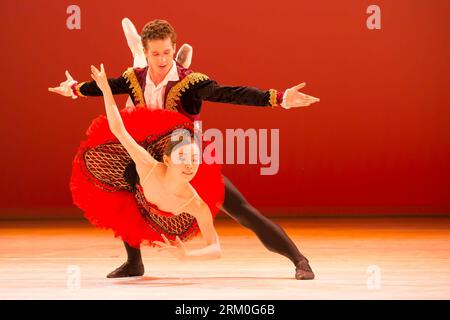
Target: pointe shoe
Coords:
[[131, 34], [184, 55], [303, 271], [128, 270]]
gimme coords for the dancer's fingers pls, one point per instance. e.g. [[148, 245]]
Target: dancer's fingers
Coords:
[[307, 100], [299, 86], [159, 243], [179, 242], [301, 103], [311, 101], [167, 248], [165, 239], [304, 103], [56, 90], [102, 68], [304, 99], [95, 70], [69, 77], [310, 98]]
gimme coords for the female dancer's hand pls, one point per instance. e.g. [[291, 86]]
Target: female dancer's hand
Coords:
[[100, 77], [294, 98], [178, 251]]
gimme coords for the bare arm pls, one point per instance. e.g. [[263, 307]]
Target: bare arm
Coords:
[[200, 210], [139, 155], [212, 250]]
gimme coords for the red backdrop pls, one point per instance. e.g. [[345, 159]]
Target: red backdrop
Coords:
[[378, 142]]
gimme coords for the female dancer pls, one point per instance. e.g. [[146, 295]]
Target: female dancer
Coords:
[[166, 208]]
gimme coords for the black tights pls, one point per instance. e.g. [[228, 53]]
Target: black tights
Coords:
[[271, 235], [236, 206]]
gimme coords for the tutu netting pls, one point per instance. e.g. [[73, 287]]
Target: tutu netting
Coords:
[[98, 186]]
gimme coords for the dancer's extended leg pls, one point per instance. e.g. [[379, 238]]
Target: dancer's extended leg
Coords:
[[271, 234]]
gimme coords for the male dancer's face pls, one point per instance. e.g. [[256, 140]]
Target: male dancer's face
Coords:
[[160, 55]]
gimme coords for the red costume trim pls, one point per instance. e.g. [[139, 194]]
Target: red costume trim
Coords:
[[76, 89]]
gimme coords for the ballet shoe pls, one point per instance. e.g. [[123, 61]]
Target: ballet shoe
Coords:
[[128, 269], [303, 270], [184, 55]]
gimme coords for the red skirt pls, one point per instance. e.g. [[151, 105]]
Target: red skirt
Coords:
[[98, 186]]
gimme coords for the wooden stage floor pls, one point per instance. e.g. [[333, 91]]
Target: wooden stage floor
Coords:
[[353, 258]]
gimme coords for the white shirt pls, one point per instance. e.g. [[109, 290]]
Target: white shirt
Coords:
[[154, 95]]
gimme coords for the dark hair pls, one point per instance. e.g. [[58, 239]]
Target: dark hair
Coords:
[[178, 138], [158, 30], [130, 174]]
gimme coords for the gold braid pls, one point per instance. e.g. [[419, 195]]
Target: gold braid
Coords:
[[130, 76]]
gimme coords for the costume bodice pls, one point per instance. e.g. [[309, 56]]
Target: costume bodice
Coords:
[[140, 189]]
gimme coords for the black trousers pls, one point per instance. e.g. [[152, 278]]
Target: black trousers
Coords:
[[236, 206]]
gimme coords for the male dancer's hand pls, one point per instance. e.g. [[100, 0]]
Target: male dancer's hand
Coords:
[[64, 88], [295, 99]]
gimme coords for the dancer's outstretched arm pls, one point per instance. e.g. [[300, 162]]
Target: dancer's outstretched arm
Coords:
[[71, 88], [200, 210], [210, 90], [138, 154]]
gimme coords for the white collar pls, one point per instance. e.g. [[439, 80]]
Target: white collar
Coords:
[[172, 75]]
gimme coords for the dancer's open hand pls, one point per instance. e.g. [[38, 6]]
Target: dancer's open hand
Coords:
[[99, 77], [178, 251], [295, 99], [64, 87]]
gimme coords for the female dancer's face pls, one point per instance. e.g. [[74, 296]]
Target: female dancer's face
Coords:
[[184, 161], [159, 55]]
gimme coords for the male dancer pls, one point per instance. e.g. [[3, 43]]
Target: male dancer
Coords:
[[167, 85]]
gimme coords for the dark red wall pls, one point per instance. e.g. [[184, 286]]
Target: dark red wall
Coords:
[[378, 142]]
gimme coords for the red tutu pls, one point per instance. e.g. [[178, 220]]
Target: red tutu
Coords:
[[100, 190]]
